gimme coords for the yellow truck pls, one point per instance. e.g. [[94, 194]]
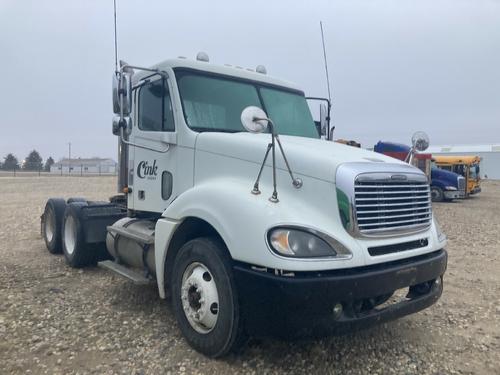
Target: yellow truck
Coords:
[[465, 165]]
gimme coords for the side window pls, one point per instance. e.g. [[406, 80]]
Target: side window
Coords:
[[155, 108]]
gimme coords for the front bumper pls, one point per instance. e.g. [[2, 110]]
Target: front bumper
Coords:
[[453, 194], [302, 305], [476, 190]]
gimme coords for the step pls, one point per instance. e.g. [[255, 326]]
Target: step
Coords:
[[132, 234], [136, 277]]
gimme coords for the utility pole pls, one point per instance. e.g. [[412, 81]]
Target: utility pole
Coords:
[[69, 157]]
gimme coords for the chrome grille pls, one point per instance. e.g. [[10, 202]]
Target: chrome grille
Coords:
[[388, 206], [461, 183]]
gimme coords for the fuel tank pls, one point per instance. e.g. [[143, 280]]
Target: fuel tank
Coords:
[[132, 252]]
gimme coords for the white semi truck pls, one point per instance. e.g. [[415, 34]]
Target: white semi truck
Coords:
[[252, 224]]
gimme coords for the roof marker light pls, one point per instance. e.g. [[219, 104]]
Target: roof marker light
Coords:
[[202, 56], [261, 69]]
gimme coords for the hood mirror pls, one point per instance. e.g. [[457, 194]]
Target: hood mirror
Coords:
[[420, 141], [254, 119]]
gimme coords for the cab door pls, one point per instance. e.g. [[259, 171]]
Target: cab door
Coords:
[[154, 150]]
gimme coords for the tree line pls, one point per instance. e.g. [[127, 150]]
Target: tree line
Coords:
[[33, 162]]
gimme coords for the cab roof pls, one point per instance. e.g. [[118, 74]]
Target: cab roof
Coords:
[[456, 159], [227, 70]]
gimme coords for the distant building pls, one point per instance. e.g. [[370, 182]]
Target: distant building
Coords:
[[84, 166], [489, 154]]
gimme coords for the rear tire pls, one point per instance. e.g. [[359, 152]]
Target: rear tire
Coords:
[[76, 251], [205, 299], [52, 224], [437, 194], [76, 199]]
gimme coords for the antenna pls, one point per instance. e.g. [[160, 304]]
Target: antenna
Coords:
[[326, 63], [116, 43], [329, 131]]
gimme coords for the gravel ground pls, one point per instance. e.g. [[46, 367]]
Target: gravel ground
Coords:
[[57, 320]]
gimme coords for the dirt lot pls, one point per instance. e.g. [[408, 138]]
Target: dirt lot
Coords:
[[57, 320]]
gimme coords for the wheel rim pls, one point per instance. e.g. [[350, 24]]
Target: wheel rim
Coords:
[[70, 234], [50, 226], [200, 299], [434, 193]]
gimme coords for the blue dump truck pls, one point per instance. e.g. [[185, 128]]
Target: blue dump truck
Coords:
[[445, 185]]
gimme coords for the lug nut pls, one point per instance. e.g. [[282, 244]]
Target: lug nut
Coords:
[[337, 310]]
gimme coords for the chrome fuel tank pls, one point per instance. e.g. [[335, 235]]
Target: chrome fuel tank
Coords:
[[132, 252]]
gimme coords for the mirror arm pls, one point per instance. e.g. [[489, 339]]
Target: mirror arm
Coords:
[[328, 115], [255, 189], [409, 157], [296, 182], [121, 93], [157, 71]]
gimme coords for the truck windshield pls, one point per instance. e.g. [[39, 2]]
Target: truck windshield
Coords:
[[215, 103], [473, 171]]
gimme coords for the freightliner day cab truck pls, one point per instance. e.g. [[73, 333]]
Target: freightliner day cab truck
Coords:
[[313, 240]]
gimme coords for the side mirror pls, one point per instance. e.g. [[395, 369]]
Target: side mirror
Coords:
[[122, 84], [323, 114], [420, 141], [254, 119], [127, 125]]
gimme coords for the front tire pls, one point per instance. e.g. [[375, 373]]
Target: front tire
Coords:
[[437, 194], [205, 299]]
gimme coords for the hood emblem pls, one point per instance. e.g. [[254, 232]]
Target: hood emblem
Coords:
[[399, 177]]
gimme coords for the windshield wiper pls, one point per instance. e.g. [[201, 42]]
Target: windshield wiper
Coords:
[[202, 129]]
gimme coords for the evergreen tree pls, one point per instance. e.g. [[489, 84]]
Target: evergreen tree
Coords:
[[48, 163], [33, 161], [10, 163]]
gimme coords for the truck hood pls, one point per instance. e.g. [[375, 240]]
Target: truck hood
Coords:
[[448, 177], [310, 157]]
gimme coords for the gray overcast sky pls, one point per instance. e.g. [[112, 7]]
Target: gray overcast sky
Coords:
[[396, 66]]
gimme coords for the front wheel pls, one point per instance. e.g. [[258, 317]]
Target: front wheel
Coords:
[[205, 299], [437, 194]]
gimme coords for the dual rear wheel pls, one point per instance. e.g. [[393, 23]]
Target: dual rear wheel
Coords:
[[62, 229]]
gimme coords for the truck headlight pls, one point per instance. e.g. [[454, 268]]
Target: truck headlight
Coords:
[[301, 243], [450, 188]]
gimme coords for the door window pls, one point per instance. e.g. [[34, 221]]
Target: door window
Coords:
[[155, 108]]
